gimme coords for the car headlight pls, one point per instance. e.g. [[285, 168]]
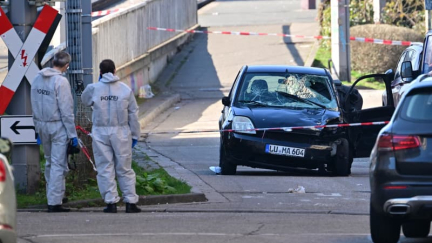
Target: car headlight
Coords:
[[243, 124]]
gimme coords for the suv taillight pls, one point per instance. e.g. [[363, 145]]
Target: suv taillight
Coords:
[[2, 171], [397, 142]]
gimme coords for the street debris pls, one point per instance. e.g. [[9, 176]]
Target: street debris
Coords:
[[215, 169], [146, 92], [299, 189]]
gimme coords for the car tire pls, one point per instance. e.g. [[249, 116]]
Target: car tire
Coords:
[[416, 229], [342, 160], [383, 229], [227, 167]]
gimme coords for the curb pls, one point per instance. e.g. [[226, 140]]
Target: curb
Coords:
[[143, 200], [144, 120]]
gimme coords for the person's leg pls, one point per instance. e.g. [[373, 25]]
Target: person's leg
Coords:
[[103, 154], [122, 145], [59, 168]]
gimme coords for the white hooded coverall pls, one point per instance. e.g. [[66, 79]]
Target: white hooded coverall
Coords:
[[115, 124], [53, 117]]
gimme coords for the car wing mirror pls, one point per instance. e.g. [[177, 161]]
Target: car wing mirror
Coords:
[[226, 101], [337, 82], [407, 72]]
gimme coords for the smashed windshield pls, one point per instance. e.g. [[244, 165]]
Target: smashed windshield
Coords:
[[287, 90]]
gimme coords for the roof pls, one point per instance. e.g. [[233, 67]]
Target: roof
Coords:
[[422, 83], [284, 68]]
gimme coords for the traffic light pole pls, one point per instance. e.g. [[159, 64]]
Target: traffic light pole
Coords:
[[25, 158]]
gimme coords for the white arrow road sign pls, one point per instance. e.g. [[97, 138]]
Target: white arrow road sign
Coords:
[[19, 129]]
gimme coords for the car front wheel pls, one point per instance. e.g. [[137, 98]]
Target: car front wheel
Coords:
[[383, 229], [227, 167], [342, 160], [416, 229]]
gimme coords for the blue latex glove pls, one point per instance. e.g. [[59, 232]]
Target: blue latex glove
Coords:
[[38, 141], [74, 142], [134, 142]]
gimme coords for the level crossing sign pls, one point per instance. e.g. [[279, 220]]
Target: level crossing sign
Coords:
[[19, 129], [24, 53]]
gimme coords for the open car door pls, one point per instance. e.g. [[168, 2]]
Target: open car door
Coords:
[[362, 138]]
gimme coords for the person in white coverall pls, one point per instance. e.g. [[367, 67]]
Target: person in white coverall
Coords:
[[53, 117], [115, 132]]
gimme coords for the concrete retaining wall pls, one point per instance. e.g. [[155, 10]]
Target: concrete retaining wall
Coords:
[[141, 54]]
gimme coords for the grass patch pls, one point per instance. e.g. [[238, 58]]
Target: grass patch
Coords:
[[321, 58], [158, 182], [321, 61], [155, 182]]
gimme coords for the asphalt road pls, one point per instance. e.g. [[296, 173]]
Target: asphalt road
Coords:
[[252, 206]]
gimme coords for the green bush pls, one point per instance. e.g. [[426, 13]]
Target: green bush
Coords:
[[361, 12], [403, 13], [375, 58], [406, 13]]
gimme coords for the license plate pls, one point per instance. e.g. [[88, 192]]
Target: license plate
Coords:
[[282, 150]]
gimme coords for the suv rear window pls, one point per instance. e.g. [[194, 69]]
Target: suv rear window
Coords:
[[417, 106]]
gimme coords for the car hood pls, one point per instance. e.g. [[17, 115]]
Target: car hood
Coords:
[[269, 117]]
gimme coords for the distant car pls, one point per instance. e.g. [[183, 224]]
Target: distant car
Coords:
[[7, 195], [279, 97], [398, 86], [401, 169]]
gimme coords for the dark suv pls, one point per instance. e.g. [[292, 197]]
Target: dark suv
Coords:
[[401, 169]]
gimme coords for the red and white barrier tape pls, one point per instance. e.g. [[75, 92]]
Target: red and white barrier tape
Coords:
[[286, 129], [83, 130], [104, 12], [319, 37]]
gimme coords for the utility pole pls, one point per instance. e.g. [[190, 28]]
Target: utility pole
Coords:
[[378, 6], [340, 42], [87, 42], [428, 14], [25, 158]]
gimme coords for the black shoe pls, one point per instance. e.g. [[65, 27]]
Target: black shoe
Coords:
[[110, 208], [132, 208], [65, 200], [57, 209]]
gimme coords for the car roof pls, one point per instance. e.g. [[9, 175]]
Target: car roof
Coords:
[[285, 68], [416, 46], [425, 82]]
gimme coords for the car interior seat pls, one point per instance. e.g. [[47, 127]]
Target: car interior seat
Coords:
[[259, 88]]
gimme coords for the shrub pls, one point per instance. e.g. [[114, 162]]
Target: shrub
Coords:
[[361, 12], [406, 13], [375, 58]]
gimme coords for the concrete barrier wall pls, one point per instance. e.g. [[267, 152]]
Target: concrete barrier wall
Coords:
[[124, 38]]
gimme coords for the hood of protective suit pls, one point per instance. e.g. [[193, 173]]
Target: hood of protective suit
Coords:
[[109, 78], [48, 72]]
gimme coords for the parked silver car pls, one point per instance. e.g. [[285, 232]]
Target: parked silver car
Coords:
[[399, 86], [7, 195]]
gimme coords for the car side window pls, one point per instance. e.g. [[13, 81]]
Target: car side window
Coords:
[[401, 60], [415, 60]]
